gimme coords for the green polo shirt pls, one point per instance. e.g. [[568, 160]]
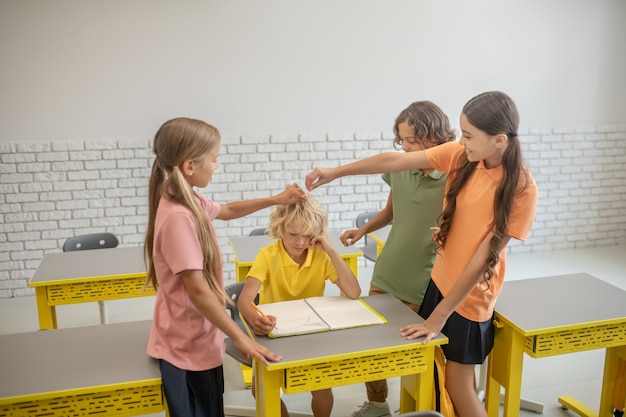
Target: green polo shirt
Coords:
[[403, 267]]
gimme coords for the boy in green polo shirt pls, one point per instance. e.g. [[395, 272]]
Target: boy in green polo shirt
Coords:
[[415, 201]]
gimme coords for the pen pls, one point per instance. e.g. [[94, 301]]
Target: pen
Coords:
[[261, 313]]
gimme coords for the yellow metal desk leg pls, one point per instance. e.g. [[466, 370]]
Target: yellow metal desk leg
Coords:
[[241, 272], [505, 369], [267, 391], [246, 372], [47, 313], [353, 264], [416, 391], [611, 366], [611, 363]]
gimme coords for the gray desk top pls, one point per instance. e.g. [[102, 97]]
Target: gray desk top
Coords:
[[560, 302], [350, 341], [88, 264], [57, 360], [247, 247]]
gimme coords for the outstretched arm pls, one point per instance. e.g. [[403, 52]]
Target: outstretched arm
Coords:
[[292, 194], [470, 277], [377, 164]]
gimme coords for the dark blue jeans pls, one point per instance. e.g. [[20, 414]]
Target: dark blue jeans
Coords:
[[193, 393]]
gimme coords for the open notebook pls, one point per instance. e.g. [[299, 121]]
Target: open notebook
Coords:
[[319, 314]]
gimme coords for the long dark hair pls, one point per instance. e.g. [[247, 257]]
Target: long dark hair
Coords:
[[494, 113]]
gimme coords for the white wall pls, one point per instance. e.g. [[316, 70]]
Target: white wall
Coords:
[[84, 85], [118, 69], [58, 189]]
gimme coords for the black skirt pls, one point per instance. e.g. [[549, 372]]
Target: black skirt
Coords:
[[469, 341]]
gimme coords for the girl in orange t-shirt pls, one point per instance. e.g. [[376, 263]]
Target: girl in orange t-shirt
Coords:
[[490, 197]]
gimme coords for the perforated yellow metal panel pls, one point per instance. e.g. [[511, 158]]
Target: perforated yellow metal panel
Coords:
[[578, 340], [350, 371], [116, 403], [83, 292]]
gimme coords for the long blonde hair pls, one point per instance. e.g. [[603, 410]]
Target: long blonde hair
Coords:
[[179, 140]]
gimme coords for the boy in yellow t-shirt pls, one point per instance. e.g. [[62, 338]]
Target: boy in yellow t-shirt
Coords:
[[296, 266]]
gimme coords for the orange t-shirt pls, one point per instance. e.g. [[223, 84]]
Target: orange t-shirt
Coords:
[[471, 224]]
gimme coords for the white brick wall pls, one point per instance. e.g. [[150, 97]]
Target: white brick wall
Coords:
[[54, 190]]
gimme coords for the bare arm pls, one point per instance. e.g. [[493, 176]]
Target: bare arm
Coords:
[[210, 306], [470, 277], [234, 210], [260, 325], [346, 281], [381, 219], [377, 164]]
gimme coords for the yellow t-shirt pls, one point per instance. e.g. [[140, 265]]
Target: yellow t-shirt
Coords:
[[471, 224], [282, 279]]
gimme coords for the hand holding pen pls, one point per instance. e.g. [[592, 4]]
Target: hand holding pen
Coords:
[[266, 324]]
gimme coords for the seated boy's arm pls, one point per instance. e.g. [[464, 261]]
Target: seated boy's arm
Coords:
[[346, 281], [260, 325]]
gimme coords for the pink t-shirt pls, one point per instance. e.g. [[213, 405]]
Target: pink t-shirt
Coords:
[[180, 334]]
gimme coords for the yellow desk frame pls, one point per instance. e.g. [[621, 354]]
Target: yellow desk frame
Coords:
[[87, 276], [350, 356], [245, 249], [84, 371], [563, 333]]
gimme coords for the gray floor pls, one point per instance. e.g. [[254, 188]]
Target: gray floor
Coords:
[[544, 379]]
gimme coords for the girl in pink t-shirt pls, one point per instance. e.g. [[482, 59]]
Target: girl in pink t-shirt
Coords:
[[184, 265], [490, 197]]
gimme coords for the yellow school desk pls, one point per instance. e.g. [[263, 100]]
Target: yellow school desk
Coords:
[[83, 371], [380, 237], [342, 357], [87, 276], [553, 316], [245, 249]]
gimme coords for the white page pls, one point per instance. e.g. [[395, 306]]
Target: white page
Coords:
[[293, 317], [341, 312]]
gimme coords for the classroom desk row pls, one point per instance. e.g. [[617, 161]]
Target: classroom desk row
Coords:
[[105, 369], [533, 316], [117, 273]]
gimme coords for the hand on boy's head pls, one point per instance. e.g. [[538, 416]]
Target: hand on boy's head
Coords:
[[292, 194], [317, 177]]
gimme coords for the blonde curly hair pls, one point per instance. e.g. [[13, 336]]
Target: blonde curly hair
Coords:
[[309, 213]]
